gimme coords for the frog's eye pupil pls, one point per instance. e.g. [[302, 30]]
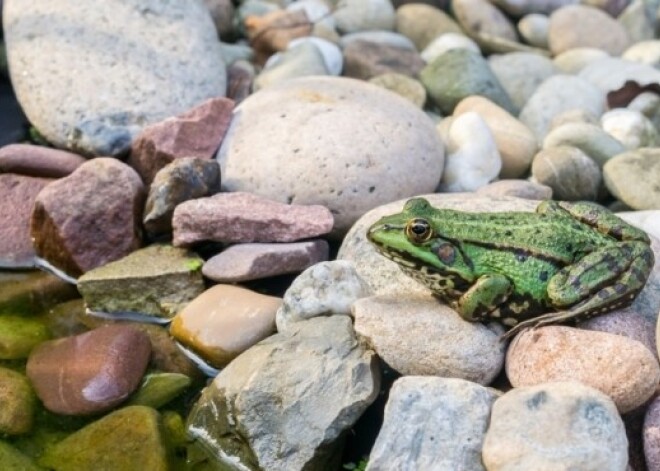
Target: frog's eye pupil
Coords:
[[419, 230]]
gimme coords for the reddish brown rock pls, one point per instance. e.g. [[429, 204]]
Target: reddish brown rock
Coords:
[[273, 31], [243, 217], [89, 218], [38, 161], [195, 133], [91, 372], [244, 262], [625, 322], [17, 193], [365, 60]]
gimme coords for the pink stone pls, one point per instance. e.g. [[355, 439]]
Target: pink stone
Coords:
[[89, 218], [195, 133], [243, 217], [244, 262], [18, 193], [38, 161], [91, 372]]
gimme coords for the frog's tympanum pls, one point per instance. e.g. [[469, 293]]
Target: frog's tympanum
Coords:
[[565, 262]]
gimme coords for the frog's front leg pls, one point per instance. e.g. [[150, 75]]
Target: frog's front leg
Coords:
[[603, 280], [484, 296]]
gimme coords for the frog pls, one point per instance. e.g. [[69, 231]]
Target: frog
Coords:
[[565, 262]]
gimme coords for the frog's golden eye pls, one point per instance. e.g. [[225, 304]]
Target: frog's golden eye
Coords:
[[418, 230]]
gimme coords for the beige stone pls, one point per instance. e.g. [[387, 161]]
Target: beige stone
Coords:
[[224, 321], [622, 368], [515, 142], [423, 23]]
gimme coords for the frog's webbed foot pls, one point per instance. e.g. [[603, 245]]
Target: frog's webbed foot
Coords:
[[540, 321]]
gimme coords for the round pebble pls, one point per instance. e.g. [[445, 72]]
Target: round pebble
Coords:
[[633, 178], [534, 29], [571, 174], [620, 367], [423, 23], [446, 42], [299, 61], [408, 87], [364, 15], [651, 435], [327, 140], [574, 60], [631, 128], [589, 138], [332, 56], [480, 17]]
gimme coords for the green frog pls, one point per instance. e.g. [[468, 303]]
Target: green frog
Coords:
[[564, 262]]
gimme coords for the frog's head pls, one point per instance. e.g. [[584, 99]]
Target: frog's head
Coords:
[[408, 238]]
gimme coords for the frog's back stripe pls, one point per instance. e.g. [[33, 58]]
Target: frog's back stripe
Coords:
[[546, 257]]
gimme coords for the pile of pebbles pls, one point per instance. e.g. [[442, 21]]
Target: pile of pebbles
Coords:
[[191, 155]]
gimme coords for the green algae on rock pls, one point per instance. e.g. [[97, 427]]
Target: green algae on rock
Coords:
[[13, 460], [32, 292], [158, 388], [17, 405], [156, 281], [19, 335], [125, 440]]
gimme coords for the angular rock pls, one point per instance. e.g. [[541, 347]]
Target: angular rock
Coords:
[[17, 404], [417, 335], [433, 423], [38, 161], [115, 358], [243, 217], [321, 147], [89, 218], [129, 438], [618, 366], [196, 133], [459, 73], [243, 262], [72, 74], [158, 281], [571, 174], [564, 425], [576, 26], [423, 23], [365, 60], [517, 188], [182, 180], [325, 289], [19, 335], [16, 249], [32, 292], [632, 177], [516, 144], [317, 374], [224, 321]]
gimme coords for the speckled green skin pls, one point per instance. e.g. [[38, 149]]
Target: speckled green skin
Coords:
[[574, 259]]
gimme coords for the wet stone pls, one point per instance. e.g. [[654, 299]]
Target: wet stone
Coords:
[[158, 281], [19, 335], [38, 161], [32, 292], [158, 388], [13, 460], [115, 360], [17, 404], [240, 217]]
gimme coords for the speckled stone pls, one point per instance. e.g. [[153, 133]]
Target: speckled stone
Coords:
[[558, 426], [57, 49], [38, 161], [620, 367], [312, 141], [404, 332], [625, 322]]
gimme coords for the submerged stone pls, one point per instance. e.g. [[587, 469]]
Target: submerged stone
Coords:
[[19, 335], [32, 292], [125, 440], [17, 404], [157, 389], [158, 281], [13, 460]]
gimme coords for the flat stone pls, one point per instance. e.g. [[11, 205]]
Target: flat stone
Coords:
[[620, 367], [517, 188], [115, 360], [224, 321], [558, 425], [19, 335], [516, 144], [576, 26], [311, 140], [89, 218], [243, 262], [196, 133], [423, 23], [360, 15], [16, 249], [129, 438], [158, 281], [325, 289], [459, 73], [38, 161], [243, 217], [17, 404], [571, 174], [417, 335], [181, 180], [72, 77], [317, 374], [433, 423], [389, 38], [365, 60], [632, 177]]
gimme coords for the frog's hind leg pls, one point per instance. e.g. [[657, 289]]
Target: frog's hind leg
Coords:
[[600, 282], [484, 296]]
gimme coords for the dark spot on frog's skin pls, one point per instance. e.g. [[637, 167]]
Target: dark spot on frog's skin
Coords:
[[569, 247], [603, 294], [619, 288], [521, 256], [508, 233], [543, 276], [537, 400], [446, 253]]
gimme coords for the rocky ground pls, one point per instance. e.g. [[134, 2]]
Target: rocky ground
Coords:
[[187, 188]]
